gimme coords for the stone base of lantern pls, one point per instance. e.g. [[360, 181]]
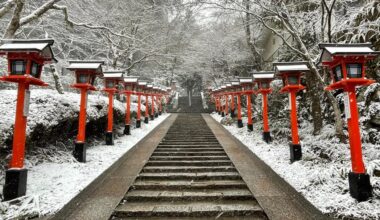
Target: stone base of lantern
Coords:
[[15, 183], [360, 186], [80, 152], [146, 120], [151, 117], [232, 113], [295, 152], [138, 123], [160, 113], [240, 123], [266, 137], [218, 112], [156, 115], [109, 138], [127, 130], [222, 114], [250, 127]]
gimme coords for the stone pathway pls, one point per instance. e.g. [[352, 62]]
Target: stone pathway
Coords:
[[189, 175]]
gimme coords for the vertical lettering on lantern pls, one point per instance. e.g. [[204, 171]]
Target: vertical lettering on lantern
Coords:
[[347, 110], [290, 101], [26, 103]]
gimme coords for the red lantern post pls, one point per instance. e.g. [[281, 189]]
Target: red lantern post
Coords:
[[140, 91], [347, 69], [263, 80], [111, 83], [26, 59], [151, 92], [290, 73], [130, 85], [247, 89], [223, 99], [155, 99], [85, 72], [235, 87]]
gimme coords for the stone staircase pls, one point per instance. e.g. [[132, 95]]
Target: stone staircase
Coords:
[[196, 105], [189, 176]]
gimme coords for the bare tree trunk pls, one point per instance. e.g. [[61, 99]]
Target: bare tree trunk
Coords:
[[57, 80], [14, 24], [316, 111]]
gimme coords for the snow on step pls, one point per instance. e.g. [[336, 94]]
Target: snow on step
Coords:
[[185, 184], [189, 163], [191, 209], [166, 158], [189, 153], [190, 176], [165, 169], [188, 195], [160, 149]]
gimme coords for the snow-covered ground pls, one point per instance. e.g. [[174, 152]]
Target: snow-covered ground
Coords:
[[321, 176], [52, 184]]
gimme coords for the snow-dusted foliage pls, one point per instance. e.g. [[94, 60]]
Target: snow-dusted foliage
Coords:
[[322, 174]]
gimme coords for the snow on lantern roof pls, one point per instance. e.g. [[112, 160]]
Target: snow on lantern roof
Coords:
[[131, 79], [149, 85], [142, 83], [228, 84], [113, 74], [243, 80], [235, 83], [331, 49], [156, 87], [291, 67], [263, 75], [86, 65], [39, 45], [223, 87]]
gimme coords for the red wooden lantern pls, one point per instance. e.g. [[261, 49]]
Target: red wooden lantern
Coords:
[[130, 87], [222, 97], [247, 85], [347, 68], [149, 92], [111, 83], [25, 61], [263, 80], [155, 99], [139, 91], [234, 85], [86, 73], [291, 73]]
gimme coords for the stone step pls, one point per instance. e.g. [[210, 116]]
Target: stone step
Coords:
[[184, 184], [187, 195], [190, 153], [188, 145], [186, 169], [195, 210], [167, 158], [190, 176], [164, 149], [189, 142], [190, 163]]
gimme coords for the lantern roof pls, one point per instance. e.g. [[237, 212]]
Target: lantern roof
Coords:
[[291, 67], [235, 82], [95, 65], [113, 74], [244, 80], [223, 87], [156, 87], [131, 79], [332, 49], [142, 83], [168, 88], [42, 46], [149, 85], [264, 75], [228, 84]]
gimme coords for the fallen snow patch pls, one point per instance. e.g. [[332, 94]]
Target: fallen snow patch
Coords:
[[321, 176]]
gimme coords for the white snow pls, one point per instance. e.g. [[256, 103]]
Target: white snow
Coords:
[[322, 181], [263, 76], [298, 67], [334, 50], [84, 65], [53, 184], [23, 46]]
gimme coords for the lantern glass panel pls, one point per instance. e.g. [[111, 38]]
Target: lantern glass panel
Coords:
[[83, 78], [354, 70], [293, 80], [110, 84], [128, 87], [265, 85], [35, 70], [338, 75], [93, 79], [18, 67]]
